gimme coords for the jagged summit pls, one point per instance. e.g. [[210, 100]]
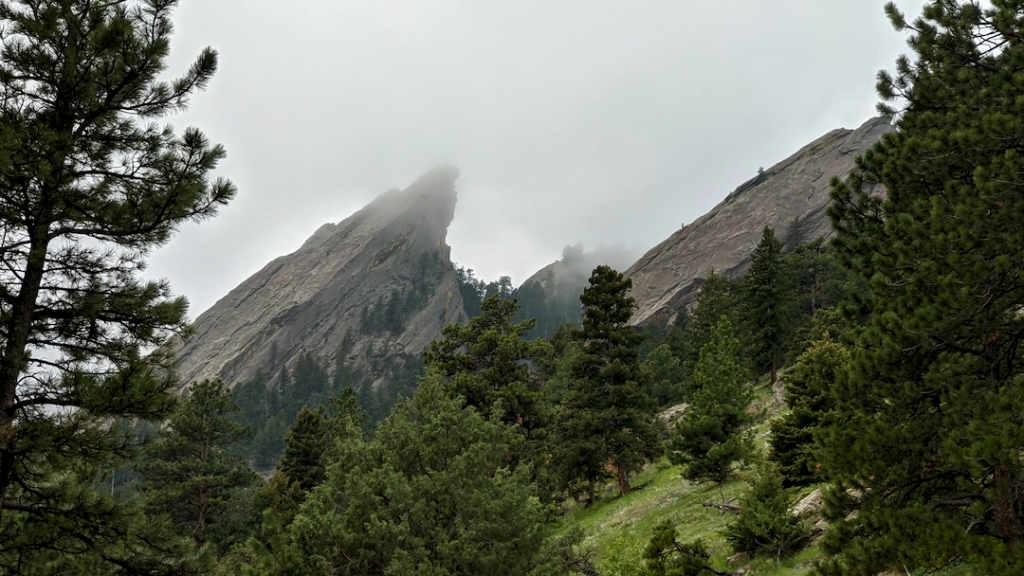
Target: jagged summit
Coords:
[[390, 257], [790, 197]]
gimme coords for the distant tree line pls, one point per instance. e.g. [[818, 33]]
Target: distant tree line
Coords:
[[270, 408], [549, 302]]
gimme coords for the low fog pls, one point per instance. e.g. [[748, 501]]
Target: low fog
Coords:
[[577, 262], [602, 123]]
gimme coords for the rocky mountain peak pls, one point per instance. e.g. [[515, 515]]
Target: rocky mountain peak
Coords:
[[382, 278]]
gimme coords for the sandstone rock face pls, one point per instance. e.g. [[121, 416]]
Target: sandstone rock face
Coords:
[[794, 191], [307, 301]]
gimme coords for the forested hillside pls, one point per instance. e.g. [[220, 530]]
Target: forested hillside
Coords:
[[565, 431], [841, 407]]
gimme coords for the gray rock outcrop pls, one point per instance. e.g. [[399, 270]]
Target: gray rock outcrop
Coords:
[[790, 197], [309, 300], [810, 504]]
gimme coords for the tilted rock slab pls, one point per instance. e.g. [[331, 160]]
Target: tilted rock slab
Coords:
[[795, 190], [310, 299]]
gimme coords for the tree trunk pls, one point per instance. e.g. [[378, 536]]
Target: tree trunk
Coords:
[[1008, 523], [775, 373], [14, 356], [590, 493], [814, 293], [623, 480], [201, 533]]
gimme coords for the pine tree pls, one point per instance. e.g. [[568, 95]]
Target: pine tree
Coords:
[[666, 382], [677, 336], [268, 442], [273, 554], [765, 526], [808, 386], [813, 271], [344, 376], [189, 476], [94, 533], [431, 493], [666, 556], [606, 417], [314, 441], [258, 404], [305, 444], [715, 299], [708, 440], [929, 431], [309, 381], [90, 182], [765, 319], [280, 496], [485, 361]]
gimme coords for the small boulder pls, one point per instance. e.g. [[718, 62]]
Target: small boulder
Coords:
[[671, 415], [810, 504]]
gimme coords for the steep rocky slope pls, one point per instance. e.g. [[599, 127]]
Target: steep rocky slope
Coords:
[[790, 197], [382, 276]]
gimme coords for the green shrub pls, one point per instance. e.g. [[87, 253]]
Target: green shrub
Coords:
[[765, 526]]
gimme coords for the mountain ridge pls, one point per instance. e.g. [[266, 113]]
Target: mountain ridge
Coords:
[[789, 197]]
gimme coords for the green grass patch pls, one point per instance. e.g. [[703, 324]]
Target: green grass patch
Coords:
[[618, 528]]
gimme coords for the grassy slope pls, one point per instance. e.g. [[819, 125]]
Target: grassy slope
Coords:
[[618, 528]]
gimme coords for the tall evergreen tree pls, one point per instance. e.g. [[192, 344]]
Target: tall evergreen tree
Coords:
[[665, 383], [273, 554], [715, 299], [929, 434], [280, 496], [676, 336], [344, 375], [90, 182], [258, 403], [809, 395], [765, 319], [485, 361], [189, 476], [814, 273], [471, 289], [606, 417], [708, 440], [305, 444], [309, 382]]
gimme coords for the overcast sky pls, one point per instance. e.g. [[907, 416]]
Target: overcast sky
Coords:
[[602, 122]]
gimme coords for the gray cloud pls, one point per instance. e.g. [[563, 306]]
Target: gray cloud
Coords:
[[602, 122]]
